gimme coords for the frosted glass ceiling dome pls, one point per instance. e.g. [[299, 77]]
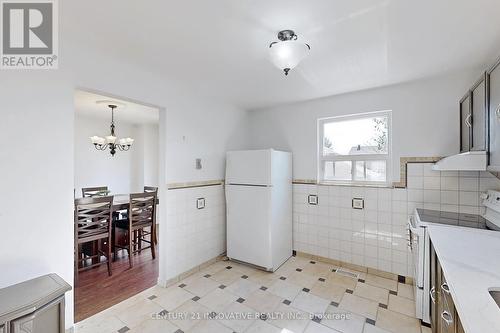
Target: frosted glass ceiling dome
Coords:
[[288, 52]]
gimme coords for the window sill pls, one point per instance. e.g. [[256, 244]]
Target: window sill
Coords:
[[355, 185]]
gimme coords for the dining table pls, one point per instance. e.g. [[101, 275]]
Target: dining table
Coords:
[[122, 201]]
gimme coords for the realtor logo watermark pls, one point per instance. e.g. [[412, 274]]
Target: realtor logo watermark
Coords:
[[29, 34]]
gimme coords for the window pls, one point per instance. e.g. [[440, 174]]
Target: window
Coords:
[[355, 149]]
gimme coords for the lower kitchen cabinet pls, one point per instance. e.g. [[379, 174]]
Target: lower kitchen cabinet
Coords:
[[444, 317]]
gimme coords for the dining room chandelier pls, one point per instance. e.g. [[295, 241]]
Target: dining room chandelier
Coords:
[[110, 142], [288, 52]]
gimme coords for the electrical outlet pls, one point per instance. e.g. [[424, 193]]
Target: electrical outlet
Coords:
[[312, 199], [358, 203]]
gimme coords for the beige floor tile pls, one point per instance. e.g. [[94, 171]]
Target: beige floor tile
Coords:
[[290, 318], [313, 327], [226, 276], [284, 289], [286, 269], [381, 282], [102, 324], [200, 286], [374, 329], [377, 294], [218, 299], [318, 269], [396, 322], [263, 278], [215, 267], [154, 326], [302, 280], [243, 287], [172, 297], [210, 326], [402, 305], [310, 303], [260, 326], [188, 315], [405, 290], [343, 320], [328, 290], [360, 305], [343, 281], [426, 329], [237, 316], [193, 277], [262, 301], [135, 314]]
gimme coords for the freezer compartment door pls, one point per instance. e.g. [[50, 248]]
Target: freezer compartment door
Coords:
[[249, 167], [248, 226]]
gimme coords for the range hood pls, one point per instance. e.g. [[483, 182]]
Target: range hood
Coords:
[[469, 161]]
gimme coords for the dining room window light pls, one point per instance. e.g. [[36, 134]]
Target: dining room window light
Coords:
[[355, 149]]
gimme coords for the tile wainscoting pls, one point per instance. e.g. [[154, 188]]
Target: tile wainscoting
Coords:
[[194, 236], [376, 236]]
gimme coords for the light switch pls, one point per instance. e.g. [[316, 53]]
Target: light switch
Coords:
[[358, 203], [198, 164], [200, 203]]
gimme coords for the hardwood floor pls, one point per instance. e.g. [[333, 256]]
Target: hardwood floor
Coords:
[[97, 291]]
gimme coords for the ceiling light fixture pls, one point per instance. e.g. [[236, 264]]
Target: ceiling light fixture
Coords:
[[109, 141], [288, 52]]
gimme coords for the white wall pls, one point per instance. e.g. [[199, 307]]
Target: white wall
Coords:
[[99, 168], [424, 122], [37, 153]]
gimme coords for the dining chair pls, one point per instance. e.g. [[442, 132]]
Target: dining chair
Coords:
[[93, 219], [152, 189], [90, 192], [141, 210]]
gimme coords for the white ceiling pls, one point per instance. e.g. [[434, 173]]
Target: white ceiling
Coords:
[[128, 112], [219, 48]]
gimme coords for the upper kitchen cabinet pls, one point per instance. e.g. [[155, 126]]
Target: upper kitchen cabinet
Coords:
[[465, 125], [473, 117], [479, 114], [494, 117]]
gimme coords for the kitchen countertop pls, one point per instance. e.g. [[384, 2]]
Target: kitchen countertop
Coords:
[[470, 259]]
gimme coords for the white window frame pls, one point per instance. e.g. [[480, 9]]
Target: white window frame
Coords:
[[353, 158]]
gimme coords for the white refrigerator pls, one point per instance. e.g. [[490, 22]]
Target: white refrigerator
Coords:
[[259, 207]]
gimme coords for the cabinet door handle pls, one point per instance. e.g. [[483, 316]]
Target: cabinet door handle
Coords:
[[447, 318], [467, 120], [432, 293], [445, 288]]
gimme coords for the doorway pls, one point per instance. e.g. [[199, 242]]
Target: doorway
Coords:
[[119, 167]]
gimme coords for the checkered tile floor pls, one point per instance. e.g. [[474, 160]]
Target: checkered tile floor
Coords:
[[302, 296]]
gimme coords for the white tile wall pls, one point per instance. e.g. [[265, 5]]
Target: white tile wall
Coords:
[[376, 236], [194, 235]]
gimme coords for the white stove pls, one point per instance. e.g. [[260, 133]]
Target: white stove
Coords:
[[419, 242]]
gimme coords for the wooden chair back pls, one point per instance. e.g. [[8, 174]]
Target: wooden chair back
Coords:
[[151, 189], [90, 192], [93, 218], [142, 209]]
